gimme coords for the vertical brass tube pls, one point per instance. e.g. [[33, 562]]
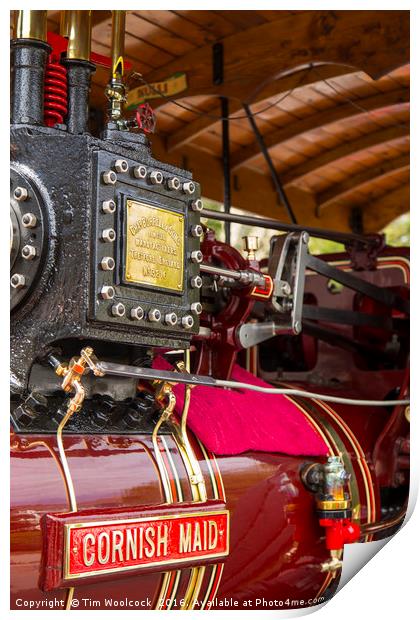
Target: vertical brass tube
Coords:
[[76, 26], [31, 25], [117, 49]]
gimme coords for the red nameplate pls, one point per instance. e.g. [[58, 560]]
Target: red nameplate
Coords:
[[92, 545]]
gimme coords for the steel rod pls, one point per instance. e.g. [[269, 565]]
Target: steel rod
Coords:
[[274, 174], [262, 222], [227, 199]]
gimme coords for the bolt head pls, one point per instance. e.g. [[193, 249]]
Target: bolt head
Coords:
[[121, 165], [297, 327], [118, 309], [156, 177], [109, 235], [197, 230], [188, 187], [17, 281], [187, 321], [196, 282], [196, 308], [197, 205], [305, 237], [29, 220], [154, 315], [28, 252], [174, 183], [197, 256], [107, 292], [285, 288], [171, 318], [137, 313], [108, 263], [20, 193], [140, 172], [109, 206], [109, 177]]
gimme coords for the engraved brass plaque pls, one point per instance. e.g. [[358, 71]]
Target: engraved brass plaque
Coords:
[[154, 246]]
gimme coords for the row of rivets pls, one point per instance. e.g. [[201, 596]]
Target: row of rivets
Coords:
[[155, 177], [154, 315]]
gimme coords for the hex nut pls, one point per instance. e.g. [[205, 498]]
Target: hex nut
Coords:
[[108, 234], [188, 187], [107, 292], [154, 315], [17, 281], [171, 318], [196, 282], [109, 206], [174, 183], [187, 321], [109, 177], [197, 205], [196, 308], [118, 309], [121, 165], [196, 256], [29, 220], [140, 172], [28, 252], [196, 231], [108, 263], [156, 177], [20, 193], [137, 313]]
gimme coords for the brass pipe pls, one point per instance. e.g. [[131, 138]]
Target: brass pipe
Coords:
[[117, 46], [380, 526], [76, 26], [31, 25]]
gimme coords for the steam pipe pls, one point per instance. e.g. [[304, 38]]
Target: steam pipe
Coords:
[[76, 26], [29, 51], [116, 90]]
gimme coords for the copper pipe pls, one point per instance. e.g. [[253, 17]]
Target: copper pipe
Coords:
[[31, 25], [117, 47], [76, 26], [380, 526]]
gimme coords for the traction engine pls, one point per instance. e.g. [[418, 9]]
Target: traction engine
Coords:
[[191, 426]]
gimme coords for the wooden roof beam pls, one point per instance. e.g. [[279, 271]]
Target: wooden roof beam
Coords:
[[382, 136], [246, 154], [373, 173], [372, 41], [273, 89]]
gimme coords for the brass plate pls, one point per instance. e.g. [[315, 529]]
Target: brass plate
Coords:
[[154, 246]]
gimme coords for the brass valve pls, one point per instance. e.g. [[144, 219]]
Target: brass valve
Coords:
[[251, 245]]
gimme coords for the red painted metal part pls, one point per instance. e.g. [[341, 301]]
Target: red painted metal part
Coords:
[[55, 86], [217, 355], [339, 532]]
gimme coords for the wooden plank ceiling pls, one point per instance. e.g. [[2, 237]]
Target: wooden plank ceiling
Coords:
[[330, 91]]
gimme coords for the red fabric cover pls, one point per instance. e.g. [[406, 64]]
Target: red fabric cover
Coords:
[[235, 421]]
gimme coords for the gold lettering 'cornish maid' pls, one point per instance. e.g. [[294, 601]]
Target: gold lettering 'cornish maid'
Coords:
[[100, 547], [154, 252]]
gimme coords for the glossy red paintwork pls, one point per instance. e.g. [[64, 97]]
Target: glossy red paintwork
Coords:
[[277, 544]]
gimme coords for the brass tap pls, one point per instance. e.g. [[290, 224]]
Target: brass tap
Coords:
[[251, 245]]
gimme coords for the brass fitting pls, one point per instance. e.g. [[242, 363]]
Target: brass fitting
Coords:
[[31, 25], [76, 27]]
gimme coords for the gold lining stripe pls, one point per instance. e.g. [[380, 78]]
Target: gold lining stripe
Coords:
[[174, 470]]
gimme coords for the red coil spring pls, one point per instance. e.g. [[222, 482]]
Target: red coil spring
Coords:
[[55, 93]]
